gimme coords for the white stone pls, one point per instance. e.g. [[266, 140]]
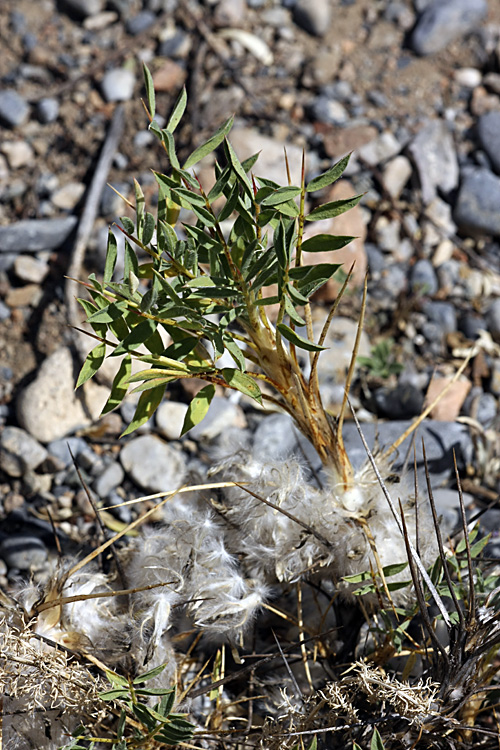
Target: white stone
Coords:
[[170, 419], [68, 195], [396, 174], [118, 85], [18, 153], [48, 408], [468, 77], [31, 269]]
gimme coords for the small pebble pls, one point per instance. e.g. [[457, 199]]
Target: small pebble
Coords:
[[19, 451], [476, 208], [14, 110], [139, 23], [423, 279], [488, 129], [153, 464], [18, 153], [314, 16], [170, 419], [109, 479], [30, 269], [84, 8], [118, 85], [47, 110]]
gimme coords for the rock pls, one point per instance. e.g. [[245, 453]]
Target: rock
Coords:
[[495, 377], [110, 478], [140, 22], [379, 149], [471, 324], [169, 77], [152, 464], [476, 209], [488, 129], [330, 111], [19, 452], [271, 163], [34, 235], [481, 406], [469, 78], [68, 196], [174, 43], [440, 439], [440, 214], [18, 153], [170, 419], [48, 408], [434, 154], [444, 314], [443, 21], [230, 13], [83, 8], [24, 296], [396, 174], [47, 110], [31, 269], [388, 234], [449, 406], [222, 413], [23, 552], [118, 85], [402, 402], [278, 437], [423, 279], [14, 110], [352, 223], [314, 16], [61, 450]]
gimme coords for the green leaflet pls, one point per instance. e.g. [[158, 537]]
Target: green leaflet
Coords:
[[198, 407], [335, 208], [323, 243], [178, 111], [94, 360], [137, 336], [111, 254], [148, 403], [210, 145], [294, 338], [281, 195], [120, 385], [150, 90], [329, 177], [242, 382]]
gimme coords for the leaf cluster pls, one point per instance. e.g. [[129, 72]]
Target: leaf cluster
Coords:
[[152, 726], [194, 292], [381, 362]]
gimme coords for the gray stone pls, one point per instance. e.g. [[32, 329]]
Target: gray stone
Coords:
[[402, 402], [443, 314], [14, 110], [48, 408], [23, 552], [476, 209], [329, 111], [170, 419], [139, 23], [334, 361], [152, 464], [84, 8], [481, 406], [118, 85], [443, 21], [379, 150], [34, 235], [471, 324], [388, 233], [110, 478], [222, 413], [488, 129], [423, 277], [435, 157], [47, 110], [493, 318], [440, 439], [62, 449], [314, 16], [277, 437], [19, 452]]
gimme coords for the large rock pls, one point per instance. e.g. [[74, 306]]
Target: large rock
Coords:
[[477, 208], [48, 408], [434, 154], [152, 464], [442, 21], [34, 235], [19, 452], [488, 129]]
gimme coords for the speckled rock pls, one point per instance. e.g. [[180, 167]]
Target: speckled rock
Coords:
[[48, 408]]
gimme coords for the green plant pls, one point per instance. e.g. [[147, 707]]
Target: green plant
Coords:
[[139, 725], [242, 251], [381, 363]]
